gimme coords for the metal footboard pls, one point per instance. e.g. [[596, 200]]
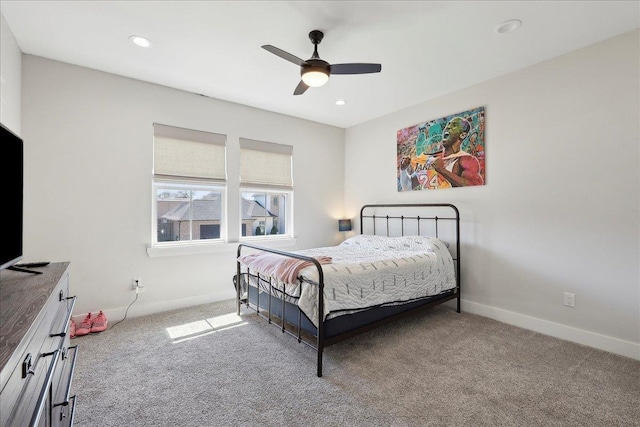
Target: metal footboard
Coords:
[[319, 347]]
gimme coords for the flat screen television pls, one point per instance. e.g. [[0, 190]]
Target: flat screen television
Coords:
[[11, 180]]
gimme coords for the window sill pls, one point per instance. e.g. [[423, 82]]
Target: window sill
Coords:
[[218, 247]]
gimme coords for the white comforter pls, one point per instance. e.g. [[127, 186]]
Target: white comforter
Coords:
[[370, 271]]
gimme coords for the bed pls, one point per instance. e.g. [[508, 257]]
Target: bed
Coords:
[[406, 259]]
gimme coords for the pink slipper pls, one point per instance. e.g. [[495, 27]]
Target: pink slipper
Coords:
[[99, 323], [72, 328], [85, 326]]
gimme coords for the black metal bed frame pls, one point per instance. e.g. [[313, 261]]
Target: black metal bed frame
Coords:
[[321, 340]]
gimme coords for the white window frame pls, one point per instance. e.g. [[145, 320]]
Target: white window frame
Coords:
[[194, 186], [190, 180], [265, 182]]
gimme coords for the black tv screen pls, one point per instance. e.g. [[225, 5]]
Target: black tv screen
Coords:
[[11, 179]]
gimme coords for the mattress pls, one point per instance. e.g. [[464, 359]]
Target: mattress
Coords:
[[369, 271]]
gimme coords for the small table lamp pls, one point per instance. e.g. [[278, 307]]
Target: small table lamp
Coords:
[[344, 225]]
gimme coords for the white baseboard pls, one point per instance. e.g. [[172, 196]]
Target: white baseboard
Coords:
[[138, 309], [580, 336], [591, 339]]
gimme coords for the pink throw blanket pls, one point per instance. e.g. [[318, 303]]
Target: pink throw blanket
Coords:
[[284, 268]]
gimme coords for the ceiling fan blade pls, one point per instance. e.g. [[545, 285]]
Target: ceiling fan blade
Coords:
[[282, 54], [355, 68], [301, 88]]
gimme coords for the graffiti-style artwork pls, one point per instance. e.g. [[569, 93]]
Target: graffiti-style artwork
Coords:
[[442, 153]]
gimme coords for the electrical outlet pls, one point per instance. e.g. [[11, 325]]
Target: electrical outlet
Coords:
[[136, 284], [569, 299]]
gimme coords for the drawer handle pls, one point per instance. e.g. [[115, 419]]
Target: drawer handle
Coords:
[[44, 392], [27, 366], [73, 410], [66, 323], [61, 296], [71, 372]]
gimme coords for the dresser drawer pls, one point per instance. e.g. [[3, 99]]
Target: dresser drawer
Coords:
[[63, 400], [35, 368], [57, 410], [25, 411]]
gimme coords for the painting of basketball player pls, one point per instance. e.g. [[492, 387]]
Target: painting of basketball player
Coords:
[[442, 153], [457, 167]]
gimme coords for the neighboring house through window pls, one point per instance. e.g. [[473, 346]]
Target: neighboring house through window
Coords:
[[189, 181]]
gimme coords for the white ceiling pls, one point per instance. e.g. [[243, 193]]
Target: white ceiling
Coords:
[[427, 49]]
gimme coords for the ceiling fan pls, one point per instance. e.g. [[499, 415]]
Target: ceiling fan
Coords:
[[314, 71]]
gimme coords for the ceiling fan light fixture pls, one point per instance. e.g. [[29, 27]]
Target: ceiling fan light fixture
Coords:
[[315, 72], [315, 77]]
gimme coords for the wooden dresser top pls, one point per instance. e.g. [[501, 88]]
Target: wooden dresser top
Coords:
[[22, 297]]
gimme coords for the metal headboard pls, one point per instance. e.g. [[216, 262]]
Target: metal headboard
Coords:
[[454, 216]]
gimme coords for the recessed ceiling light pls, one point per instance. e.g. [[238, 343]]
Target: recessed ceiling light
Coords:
[[508, 26], [341, 102], [140, 41]]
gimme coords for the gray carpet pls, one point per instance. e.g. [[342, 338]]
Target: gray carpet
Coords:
[[438, 368]]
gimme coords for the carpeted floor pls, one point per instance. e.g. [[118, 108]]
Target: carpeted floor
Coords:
[[203, 366]]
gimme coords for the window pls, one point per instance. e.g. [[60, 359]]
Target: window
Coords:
[[264, 213], [188, 212], [266, 187], [190, 184]]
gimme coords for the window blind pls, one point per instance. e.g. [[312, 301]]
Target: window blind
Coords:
[[265, 164], [186, 153]]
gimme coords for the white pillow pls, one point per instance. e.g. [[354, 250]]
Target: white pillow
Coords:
[[365, 241], [403, 243], [414, 243]]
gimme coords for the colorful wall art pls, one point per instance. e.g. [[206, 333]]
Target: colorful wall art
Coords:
[[442, 153]]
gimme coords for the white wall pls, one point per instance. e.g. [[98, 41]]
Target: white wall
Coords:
[[560, 210], [559, 213], [10, 78], [88, 193]]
